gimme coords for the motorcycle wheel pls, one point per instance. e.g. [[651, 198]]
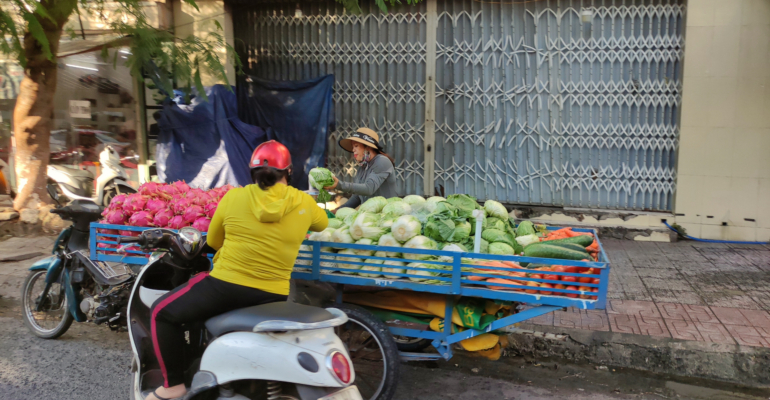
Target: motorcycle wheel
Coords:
[[372, 350], [409, 344], [55, 319]]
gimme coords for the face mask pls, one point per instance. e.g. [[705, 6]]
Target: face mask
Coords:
[[367, 157]]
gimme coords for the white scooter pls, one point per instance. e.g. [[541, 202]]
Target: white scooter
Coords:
[[272, 351], [76, 184]]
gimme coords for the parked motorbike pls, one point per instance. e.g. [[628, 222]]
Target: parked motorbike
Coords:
[[76, 184], [273, 351], [69, 286]]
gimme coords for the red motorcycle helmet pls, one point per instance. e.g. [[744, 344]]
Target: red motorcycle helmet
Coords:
[[271, 154]]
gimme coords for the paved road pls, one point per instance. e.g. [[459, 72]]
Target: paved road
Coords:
[[92, 362]]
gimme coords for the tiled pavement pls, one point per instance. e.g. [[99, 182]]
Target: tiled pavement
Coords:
[[686, 290]]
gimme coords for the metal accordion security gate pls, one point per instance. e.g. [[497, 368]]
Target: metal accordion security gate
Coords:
[[571, 103]]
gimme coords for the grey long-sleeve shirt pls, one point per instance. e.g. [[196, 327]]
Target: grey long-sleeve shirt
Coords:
[[376, 178]]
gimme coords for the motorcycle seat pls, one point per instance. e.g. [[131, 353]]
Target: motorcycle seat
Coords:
[[245, 319], [74, 172]]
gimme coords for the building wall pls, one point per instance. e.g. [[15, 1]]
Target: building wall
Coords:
[[723, 187], [189, 21]]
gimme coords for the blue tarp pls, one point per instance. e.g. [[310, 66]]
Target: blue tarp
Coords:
[[204, 143], [209, 144], [300, 113]]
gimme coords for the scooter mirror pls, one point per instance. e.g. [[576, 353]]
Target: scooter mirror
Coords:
[[54, 194]]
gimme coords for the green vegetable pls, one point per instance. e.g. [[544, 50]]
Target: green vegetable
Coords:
[[302, 249], [395, 267], [373, 205], [342, 261], [501, 249], [387, 222], [344, 212], [387, 240], [342, 235], [462, 230], [483, 222], [440, 227], [373, 271], [414, 199], [551, 251], [397, 209], [571, 246], [583, 240], [435, 199], [421, 243], [495, 209], [469, 244], [496, 236], [420, 276], [456, 247], [496, 223], [527, 240], [525, 228], [394, 199], [365, 253], [323, 236], [405, 228], [465, 204], [320, 178], [335, 223], [366, 226]]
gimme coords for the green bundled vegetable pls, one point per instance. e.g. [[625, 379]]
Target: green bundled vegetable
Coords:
[[373, 205], [366, 226], [405, 228], [501, 249], [397, 209], [525, 228], [497, 236], [422, 243], [387, 240], [335, 223], [344, 212], [495, 209], [414, 199], [465, 204], [320, 178], [496, 223]]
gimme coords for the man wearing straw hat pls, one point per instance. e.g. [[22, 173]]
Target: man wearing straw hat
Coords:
[[376, 174]]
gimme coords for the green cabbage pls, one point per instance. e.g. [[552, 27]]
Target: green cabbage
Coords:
[[405, 228], [335, 223], [323, 236], [414, 199], [394, 199], [469, 244], [495, 209], [525, 228], [342, 235], [440, 227], [366, 226], [421, 243], [373, 205], [344, 212], [420, 276], [435, 199], [500, 249], [365, 253], [309, 254], [462, 230], [373, 271], [455, 247], [342, 261], [497, 236], [387, 240], [496, 223], [397, 209], [526, 240], [465, 204], [387, 222], [320, 178], [395, 267]]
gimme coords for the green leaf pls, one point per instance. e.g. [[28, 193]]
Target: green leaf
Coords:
[[115, 60], [192, 3], [37, 32], [219, 26], [40, 10]]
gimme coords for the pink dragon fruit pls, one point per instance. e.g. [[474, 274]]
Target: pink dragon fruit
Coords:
[[162, 218], [116, 217], [117, 201], [200, 198], [108, 231], [192, 213], [202, 224], [141, 218], [130, 233], [181, 205], [181, 186], [176, 223], [167, 191], [149, 189], [135, 203], [156, 205], [209, 209], [104, 246]]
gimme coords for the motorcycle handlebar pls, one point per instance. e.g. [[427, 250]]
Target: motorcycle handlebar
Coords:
[[57, 211], [129, 239]]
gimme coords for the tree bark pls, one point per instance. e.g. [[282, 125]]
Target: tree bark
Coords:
[[33, 118]]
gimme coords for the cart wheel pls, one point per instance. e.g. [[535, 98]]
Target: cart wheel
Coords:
[[410, 344], [373, 351]]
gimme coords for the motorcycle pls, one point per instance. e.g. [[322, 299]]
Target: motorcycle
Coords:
[[69, 286], [76, 184], [272, 351]]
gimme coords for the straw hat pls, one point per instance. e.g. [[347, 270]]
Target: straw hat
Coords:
[[365, 136]]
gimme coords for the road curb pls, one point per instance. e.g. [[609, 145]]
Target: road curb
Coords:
[[744, 365]]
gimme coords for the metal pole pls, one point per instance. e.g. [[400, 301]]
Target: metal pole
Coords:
[[431, 25], [141, 128]]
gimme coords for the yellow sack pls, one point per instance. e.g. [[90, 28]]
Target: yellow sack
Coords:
[[484, 341]]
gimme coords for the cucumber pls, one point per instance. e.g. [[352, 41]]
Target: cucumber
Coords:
[[525, 228], [571, 246], [551, 251], [583, 240]]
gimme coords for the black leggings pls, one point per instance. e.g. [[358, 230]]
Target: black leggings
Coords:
[[201, 298]]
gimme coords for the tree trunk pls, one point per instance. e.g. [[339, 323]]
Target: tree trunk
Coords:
[[33, 118]]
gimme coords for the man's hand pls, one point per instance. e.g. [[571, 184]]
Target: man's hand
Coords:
[[334, 186]]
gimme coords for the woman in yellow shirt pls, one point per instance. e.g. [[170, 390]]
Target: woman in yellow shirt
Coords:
[[257, 231]]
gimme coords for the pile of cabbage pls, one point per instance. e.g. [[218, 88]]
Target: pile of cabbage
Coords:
[[162, 205], [413, 222]]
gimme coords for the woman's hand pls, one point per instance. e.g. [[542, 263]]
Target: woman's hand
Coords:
[[334, 186]]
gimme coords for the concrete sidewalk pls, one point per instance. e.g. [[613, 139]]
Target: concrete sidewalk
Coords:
[[29, 250]]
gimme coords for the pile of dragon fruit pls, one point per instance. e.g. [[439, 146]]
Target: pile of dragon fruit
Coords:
[[165, 205]]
